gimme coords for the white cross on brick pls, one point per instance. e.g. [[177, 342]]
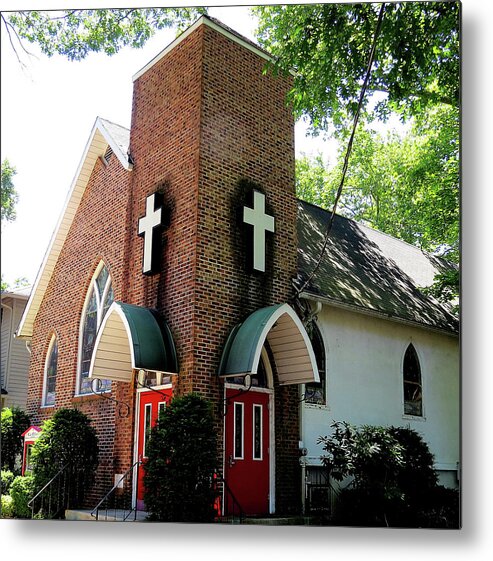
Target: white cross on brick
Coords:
[[261, 223], [152, 219]]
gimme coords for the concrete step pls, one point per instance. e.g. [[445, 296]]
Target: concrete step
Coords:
[[110, 516]]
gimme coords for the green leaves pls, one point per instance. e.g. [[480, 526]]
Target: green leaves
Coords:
[[14, 422], [181, 463], [390, 469], [67, 439], [8, 193], [416, 64], [76, 33]]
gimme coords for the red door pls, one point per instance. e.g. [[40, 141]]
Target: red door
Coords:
[[150, 404], [247, 445]]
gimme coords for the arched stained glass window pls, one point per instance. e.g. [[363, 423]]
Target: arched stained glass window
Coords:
[[413, 395], [99, 299], [315, 392], [51, 365]]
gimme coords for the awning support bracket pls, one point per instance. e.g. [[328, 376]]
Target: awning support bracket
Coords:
[[123, 408]]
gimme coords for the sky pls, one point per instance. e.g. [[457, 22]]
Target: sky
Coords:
[[47, 113], [48, 109]]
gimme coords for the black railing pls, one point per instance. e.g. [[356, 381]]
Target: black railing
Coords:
[[230, 509], [118, 503], [63, 491]]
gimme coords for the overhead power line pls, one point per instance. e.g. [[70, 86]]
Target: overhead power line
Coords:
[[348, 149]]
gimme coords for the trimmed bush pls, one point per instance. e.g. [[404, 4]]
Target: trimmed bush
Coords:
[[21, 491], [14, 422], [179, 478], [7, 478], [67, 439]]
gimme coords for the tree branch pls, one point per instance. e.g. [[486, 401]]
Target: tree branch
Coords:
[[9, 25]]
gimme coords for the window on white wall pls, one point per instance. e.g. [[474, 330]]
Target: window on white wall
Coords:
[[413, 394], [316, 392], [51, 365], [99, 299]]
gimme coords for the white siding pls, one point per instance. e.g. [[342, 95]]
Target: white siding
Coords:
[[5, 341], [15, 356], [364, 382]]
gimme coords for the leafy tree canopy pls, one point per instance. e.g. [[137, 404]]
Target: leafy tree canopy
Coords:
[[76, 33], [416, 62], [8, 192]]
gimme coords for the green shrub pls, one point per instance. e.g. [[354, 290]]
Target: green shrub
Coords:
[[181, 463], [7, 478], [14, 422], [392, 478], [7, 507], [21, 491], [441, 509], [67, 439]]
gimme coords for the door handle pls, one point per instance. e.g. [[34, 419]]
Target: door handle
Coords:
[[231, 461]]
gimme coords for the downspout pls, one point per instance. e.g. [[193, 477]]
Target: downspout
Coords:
[[11, 335]]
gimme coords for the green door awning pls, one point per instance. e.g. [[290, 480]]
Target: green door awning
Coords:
[[132, 338], [288, 340]]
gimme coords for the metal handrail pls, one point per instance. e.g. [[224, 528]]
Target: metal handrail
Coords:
[[30, 504], [95, 511]]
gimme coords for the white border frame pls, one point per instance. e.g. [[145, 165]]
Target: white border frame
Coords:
[[261, 407], [147, 407], [242, 457]]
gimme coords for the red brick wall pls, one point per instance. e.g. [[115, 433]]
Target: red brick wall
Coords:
[[205, 117], [247, 134], [98, 232], [164, 144]]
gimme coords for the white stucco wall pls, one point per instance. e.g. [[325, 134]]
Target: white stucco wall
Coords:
[[364, 383]]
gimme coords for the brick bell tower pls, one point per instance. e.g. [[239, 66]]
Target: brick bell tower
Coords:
[[209, 127]]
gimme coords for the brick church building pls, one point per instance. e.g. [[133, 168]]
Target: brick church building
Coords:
[[174, 267]]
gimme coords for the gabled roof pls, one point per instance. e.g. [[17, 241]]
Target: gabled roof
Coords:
[[103, 134], [369, 271]]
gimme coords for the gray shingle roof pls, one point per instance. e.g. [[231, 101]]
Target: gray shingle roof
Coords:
[[367, 269]]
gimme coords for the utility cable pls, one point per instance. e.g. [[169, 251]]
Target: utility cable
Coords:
[[348, 149]]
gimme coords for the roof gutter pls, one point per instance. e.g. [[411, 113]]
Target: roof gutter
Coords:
[[373, 313]]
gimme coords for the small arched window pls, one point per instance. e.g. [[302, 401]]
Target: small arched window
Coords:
[[99, 299], [49, 388], [316, 391], [413, 394]]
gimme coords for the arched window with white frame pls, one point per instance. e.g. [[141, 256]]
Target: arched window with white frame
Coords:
[[99, 298], [51, 366], [315, 392], [413, 387]]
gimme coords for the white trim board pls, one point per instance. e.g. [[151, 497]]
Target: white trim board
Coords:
[[203, 20]]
